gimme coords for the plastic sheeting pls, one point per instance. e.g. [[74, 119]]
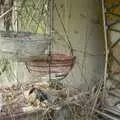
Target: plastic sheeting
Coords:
[[23, 46]]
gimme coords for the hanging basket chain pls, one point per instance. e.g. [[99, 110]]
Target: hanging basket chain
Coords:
[[67, 37]]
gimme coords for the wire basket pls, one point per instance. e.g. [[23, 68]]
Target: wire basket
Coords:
[[23, 46], [57, 67]]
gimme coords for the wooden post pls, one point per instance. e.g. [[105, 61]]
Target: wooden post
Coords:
[[106, 47]]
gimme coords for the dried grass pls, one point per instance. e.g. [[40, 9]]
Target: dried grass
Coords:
[[73, 104]]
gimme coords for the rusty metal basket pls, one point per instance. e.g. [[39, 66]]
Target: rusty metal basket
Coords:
[[58, 66], [23, 46]]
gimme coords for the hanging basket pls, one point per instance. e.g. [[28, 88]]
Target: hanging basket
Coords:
[[57, 67], [23, 46]]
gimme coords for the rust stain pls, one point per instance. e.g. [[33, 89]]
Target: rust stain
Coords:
[[114, 10], [111, 1]]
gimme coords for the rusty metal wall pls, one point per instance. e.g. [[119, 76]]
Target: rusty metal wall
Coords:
[[113, 32]]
